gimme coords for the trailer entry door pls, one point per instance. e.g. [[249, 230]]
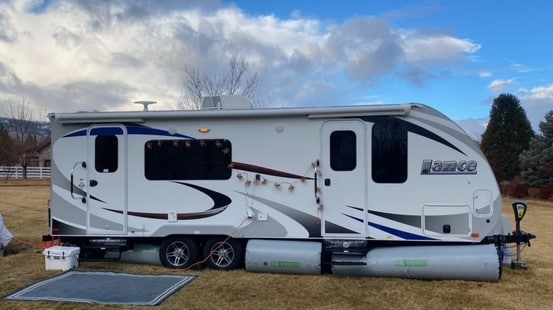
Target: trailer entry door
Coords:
[[344, 174], [107, 180]]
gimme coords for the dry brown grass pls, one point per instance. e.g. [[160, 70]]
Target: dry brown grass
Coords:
[[24, 204]]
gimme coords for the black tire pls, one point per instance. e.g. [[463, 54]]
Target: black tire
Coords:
[[223, 255], [178, 252]]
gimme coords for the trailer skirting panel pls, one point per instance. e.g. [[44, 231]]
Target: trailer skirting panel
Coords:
[[296, 257], [467, 262]]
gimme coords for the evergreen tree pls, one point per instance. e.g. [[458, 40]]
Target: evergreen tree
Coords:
[[536, 163], [7, 154], [508, 133]]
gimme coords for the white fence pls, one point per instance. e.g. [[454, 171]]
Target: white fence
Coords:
[[16, 172]]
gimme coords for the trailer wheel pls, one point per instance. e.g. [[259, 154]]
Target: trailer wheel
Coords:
[[223, 255], [178, 252]]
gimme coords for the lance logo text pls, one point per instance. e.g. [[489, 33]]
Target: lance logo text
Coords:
[[430, 166]]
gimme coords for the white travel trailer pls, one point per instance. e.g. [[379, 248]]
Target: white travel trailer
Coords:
[[386, 190]]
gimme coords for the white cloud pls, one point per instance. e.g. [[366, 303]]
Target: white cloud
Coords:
[[499, 86], [76, 55], [430, 48], [539, 95], [484, 74], [314, 91], [26, 5], [537, 102], [517, 67]]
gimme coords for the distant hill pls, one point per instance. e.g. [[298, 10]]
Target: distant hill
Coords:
[[41, 130], [474, 127]]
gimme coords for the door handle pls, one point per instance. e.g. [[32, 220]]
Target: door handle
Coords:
[[327, 182], [93, 183], [71, 186]]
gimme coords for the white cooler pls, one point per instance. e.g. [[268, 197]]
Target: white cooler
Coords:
[[61, 257]]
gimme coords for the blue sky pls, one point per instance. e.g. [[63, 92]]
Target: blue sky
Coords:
[[456, 56], [515, 53]]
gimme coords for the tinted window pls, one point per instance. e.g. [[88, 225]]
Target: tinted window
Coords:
[[343, 154], [106, 153], [187, 159], [389, 151]]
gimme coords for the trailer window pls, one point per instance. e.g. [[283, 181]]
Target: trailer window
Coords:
[[343, 150], [389, 151], [187, 159], [106, 153]]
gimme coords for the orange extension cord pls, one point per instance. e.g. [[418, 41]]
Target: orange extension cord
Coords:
[[42, 245]]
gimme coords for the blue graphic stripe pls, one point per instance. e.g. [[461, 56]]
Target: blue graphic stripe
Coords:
[[78, 133], [393, 231], [140, 130], [353, 217], [112, 131], [399, 233], [131, 130]]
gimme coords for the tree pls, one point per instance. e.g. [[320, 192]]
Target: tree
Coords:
[[536, 163], [237, 80], [508, 133], [22, 127], [7, 156]]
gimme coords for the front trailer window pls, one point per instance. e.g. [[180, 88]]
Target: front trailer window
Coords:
[[389, 151]]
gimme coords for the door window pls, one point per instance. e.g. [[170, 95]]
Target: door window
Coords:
[[343, 150], [106, 153]]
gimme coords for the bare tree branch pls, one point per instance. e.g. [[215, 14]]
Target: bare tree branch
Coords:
[[23, 127], [251, 85], [237, 68], [236, 80], [193, 85]]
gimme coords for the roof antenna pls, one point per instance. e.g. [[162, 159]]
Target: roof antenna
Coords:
[[145, 103]]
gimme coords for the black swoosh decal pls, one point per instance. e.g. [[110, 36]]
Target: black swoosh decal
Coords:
[[414, 129], [180, 216], [411, 220], [219, 200], [332, 228], [265, 170], [220, 204]]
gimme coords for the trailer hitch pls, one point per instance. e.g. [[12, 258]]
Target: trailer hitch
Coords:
[[519, 209], [518, 236]]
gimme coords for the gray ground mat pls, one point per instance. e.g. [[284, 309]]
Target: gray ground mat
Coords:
[[104, 288]]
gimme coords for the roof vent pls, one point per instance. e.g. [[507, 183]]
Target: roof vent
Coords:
[[225, 102]]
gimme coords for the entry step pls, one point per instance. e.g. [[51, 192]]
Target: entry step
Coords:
[[343, 259]]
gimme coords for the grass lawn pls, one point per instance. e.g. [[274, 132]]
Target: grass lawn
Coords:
[[23, 204]]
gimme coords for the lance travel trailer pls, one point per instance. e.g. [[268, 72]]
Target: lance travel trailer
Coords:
[[385, 190]]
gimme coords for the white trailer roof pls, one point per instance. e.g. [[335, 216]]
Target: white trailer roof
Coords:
[[313, 112]]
